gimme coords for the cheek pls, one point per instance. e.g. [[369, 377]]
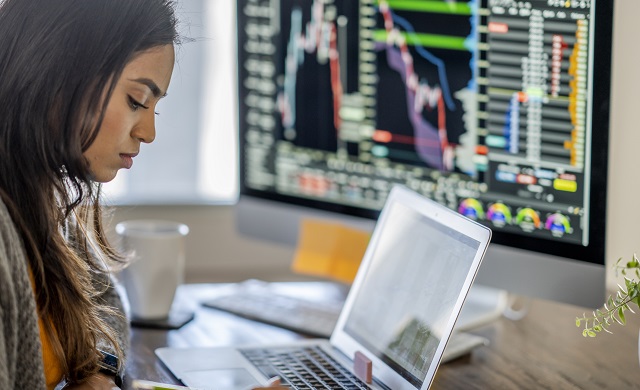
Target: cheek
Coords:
[[115, 120], [116, 126], [112, 133]]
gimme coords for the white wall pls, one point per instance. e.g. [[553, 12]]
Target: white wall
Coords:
[[217, 253], [624, 170]]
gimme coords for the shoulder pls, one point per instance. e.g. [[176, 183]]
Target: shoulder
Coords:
[[6, 236], [8, 229], [13, 264], [10, 242]]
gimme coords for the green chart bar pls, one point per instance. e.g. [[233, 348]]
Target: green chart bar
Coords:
[[427, 40], [431, 6]]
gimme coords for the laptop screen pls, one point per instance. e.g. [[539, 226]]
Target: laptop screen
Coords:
[[404, 303]]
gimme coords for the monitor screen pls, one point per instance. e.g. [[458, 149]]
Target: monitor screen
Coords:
[[495, 108]]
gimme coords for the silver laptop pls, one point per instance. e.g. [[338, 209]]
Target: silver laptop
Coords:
[[396, 321]]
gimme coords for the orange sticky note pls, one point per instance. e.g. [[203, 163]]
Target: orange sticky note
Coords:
[[330, 250]]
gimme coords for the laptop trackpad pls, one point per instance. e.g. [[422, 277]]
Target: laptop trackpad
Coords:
[[222, 379]]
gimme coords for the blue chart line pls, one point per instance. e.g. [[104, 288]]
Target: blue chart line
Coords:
[[472, 44], [512, 125], [424, 53]]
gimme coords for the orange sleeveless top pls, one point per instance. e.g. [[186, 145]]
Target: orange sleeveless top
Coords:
[[52, 365]]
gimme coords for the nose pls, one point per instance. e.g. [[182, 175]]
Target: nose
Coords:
[[145, 130]]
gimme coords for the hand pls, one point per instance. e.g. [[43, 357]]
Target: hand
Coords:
[[97, 381]]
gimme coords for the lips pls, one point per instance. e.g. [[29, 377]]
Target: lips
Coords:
[[127, 159]]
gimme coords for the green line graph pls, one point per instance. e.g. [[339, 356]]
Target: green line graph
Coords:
[[427, 40], [454, 8]]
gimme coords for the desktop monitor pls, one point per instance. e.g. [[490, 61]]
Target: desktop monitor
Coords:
[[498, 109]]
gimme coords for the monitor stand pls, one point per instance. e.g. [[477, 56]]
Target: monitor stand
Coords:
[[482, 306]]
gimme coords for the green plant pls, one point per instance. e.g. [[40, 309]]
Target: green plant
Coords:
[[613, 311]]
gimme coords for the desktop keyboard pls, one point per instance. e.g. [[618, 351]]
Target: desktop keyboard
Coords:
[[285, 311], [261, 303]]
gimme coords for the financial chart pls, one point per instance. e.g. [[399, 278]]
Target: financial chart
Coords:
[[483, 106]]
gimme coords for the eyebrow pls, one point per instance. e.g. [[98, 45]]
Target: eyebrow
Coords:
[[155, 90]]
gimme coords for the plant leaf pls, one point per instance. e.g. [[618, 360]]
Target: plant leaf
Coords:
[[621, 315]]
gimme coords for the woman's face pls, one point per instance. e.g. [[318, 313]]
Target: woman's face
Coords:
[[129, 119]]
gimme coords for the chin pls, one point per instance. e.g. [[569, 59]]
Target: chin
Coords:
[[104, 177]]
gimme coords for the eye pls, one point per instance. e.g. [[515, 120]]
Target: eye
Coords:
[[135, 105]]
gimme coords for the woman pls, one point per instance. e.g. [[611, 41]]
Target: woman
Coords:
[[79, 81]]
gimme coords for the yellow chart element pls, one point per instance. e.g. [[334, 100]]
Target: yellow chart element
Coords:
[[577, 134], [329, 250], [565, 185]]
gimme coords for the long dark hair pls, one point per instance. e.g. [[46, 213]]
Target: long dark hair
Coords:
[[59, 63]]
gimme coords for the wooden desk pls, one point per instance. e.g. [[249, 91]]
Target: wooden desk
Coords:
[[544, 350]]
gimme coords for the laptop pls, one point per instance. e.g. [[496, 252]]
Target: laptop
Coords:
[[396, 321]]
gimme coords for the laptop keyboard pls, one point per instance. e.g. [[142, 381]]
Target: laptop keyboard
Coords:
[[303, 368]]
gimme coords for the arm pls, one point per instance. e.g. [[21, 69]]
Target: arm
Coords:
[[20, 352], [4, 371], [118, 321]]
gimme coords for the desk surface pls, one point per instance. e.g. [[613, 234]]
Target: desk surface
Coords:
[[544, 350]]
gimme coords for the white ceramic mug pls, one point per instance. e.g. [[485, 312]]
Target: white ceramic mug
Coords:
[[156, 268]]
